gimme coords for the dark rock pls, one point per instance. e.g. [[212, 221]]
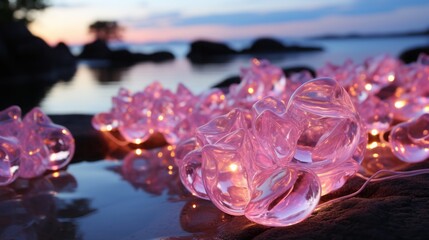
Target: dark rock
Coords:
[[203, 51], [24, 94], [92, 145], [213, 52], [160, 56], [224, 85], [122, 57], [25, 57], [290, 70], [411, 55], [99, 50], [95, 51], [64, 55], [269, 45]]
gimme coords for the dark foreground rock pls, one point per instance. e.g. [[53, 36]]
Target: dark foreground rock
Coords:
[[224, 84], [26, 58], [393, 209], [92, 145], [411, 55], [203, 51], [98, 50]]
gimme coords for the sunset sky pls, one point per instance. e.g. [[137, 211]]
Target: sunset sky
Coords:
[[170, 20]]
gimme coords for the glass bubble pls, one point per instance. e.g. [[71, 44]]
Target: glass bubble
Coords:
[[410, 140]]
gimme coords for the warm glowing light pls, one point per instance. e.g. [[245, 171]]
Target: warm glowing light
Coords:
[[374, 132], [368, 86], [233, 167], [256, 61], [375, 155], [148, 113], [108, 128], [139, 151], [55, 174], [65, 131], [222, 97], [160, 118], [170, 167], [426, 109], [172, 154], [400, 104], [160, 154], [170, 172], [194, 205], [151, 131], [391, 78], [137, 141], [169, 148], [372, 145], [250, 90]]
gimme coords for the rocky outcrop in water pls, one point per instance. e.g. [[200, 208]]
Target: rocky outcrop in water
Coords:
[[27, 58], [412, 54], [99, 50], [202, 51]]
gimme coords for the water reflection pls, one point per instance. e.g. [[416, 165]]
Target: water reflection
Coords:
[[153, 171], [378, 156], [200, 215], [26, 96], [203, 220], [27, 91], [32, 209], [108, 74]]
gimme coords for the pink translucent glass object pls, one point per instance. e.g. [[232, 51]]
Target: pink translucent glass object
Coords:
[[10, 151], [9, 160], [273, 163], [376, 114], [155, 109], [410, 140], [177, 115], [31, 146]]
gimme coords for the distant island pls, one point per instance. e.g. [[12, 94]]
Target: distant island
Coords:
[[204, 51], [372, 35]]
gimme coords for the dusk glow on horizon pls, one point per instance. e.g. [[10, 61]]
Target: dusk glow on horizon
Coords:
[[167, 20]]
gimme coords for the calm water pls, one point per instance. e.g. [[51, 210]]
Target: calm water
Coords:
[[91, 89], [136, 197]]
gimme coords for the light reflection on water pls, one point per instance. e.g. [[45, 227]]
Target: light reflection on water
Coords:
[[138, 196], [90, 90]]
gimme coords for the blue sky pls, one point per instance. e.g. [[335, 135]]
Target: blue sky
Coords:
[[166, 20]]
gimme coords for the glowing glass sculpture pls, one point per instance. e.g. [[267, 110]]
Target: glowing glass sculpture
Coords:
[[31, 146], [410, 140], [270, 146], [273, 163], [176, 115]]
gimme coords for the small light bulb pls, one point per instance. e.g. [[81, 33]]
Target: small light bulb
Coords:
[[233, 167]]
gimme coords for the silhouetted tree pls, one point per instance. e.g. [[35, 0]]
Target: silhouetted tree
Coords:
[[21, 10], [106, 30]]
